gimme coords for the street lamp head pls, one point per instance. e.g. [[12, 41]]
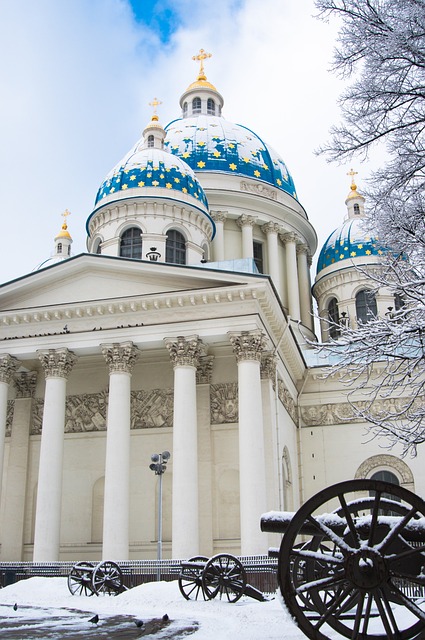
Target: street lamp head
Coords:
[[166, 455], [155, 457], [153, 467]]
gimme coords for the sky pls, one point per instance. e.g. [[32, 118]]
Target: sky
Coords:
[[77, 77]]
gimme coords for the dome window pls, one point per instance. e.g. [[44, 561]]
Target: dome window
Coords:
[[175, 249], [196, 105], [59, 249], [366, 309], [69, 250], [185, 110], [333, 318], [211, 107], [357, 209], [151, 141], [131, 244]]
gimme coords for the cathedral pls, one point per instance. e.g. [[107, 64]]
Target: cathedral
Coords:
[[186, 327]]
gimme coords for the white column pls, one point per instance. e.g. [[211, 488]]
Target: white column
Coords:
[[16, 481], [248, 347], [184, 353], [305, 286], [290, 240], [8, 366], [246, 223], [57, 365], [219, 218], [271, 230], [116, 509]]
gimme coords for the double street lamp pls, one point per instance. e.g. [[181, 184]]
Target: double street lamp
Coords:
[[159, 466]]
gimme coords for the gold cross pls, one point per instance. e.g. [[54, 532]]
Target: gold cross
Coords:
[[202, 55], [155, 102], [352, 173], [65, 214]]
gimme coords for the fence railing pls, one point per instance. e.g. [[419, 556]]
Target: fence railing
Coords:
[[260, 570]]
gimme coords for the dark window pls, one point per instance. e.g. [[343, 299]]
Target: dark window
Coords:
[[185, 109], [357, 209], [398, 302], [175, 249], [333, 317], [258, 256], [69, 249], [387, 476], [366, 308], [59, 247], [151, 141], [131, 243], [98, 249], [211, 107], [196, 105]]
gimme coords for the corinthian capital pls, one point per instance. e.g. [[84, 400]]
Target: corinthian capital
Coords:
[[57, 363], [288, 237], [245, 220], [218, 216], [185, 350], [248, 345], [8, 366], [120, 356], [270, 227]]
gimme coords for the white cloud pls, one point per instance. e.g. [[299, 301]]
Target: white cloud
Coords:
[[78, 80]]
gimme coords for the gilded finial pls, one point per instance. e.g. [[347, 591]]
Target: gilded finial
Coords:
[[155, 103], [202, 55], [352, 173], [65, 214]]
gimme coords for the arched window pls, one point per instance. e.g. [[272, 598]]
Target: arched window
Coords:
[[398, 302], [357, 209], [333, 317], [211, 107], [59, 247], [366, 308], [387, 476], [98, 249], [175, 249], [131, 243], [196, 105], [185, 109], [151, 141]]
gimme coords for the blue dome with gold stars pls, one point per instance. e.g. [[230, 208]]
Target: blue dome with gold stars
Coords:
[[144, 170], [211, 143], [347, 242]]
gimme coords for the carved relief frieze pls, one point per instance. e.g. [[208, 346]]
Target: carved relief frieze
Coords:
[[338, 413], [260, 189], [9, 417], [88, 411], [287, 401], [152, 408], [224, 403]]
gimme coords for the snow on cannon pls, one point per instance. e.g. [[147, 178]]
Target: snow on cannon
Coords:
[[358, 570], [87, 579], [222, 575]]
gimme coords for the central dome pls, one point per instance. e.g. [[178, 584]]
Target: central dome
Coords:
[[211, 143]]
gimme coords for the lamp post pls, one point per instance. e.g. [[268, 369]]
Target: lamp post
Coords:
[[159, 466]]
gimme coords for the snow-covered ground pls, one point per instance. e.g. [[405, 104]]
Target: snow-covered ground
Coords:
[[246, 619]]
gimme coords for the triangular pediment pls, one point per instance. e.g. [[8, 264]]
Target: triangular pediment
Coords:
[[90, 277]]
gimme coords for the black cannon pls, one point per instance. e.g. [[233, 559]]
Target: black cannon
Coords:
[[222, 575], [359, 569], [87, 578]]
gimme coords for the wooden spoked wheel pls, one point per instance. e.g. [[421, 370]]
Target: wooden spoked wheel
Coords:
[[80, 579], [359, 570], [224, 576], [107, 578], [190, 579]]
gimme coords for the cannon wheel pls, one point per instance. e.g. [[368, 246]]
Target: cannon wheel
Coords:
[[359, 569], [107, 578], [190, 579], [224, 576], [79, 579]]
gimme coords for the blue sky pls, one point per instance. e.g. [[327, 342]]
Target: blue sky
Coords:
[[79, 78]]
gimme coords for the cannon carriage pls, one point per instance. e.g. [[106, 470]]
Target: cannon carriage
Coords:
[[88, 578], [359, 569], [223, 576]]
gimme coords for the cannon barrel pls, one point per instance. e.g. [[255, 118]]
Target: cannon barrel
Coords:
[[278, 522]]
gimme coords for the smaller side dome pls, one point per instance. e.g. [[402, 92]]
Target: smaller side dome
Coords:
[[63, 243], [201, 97]]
